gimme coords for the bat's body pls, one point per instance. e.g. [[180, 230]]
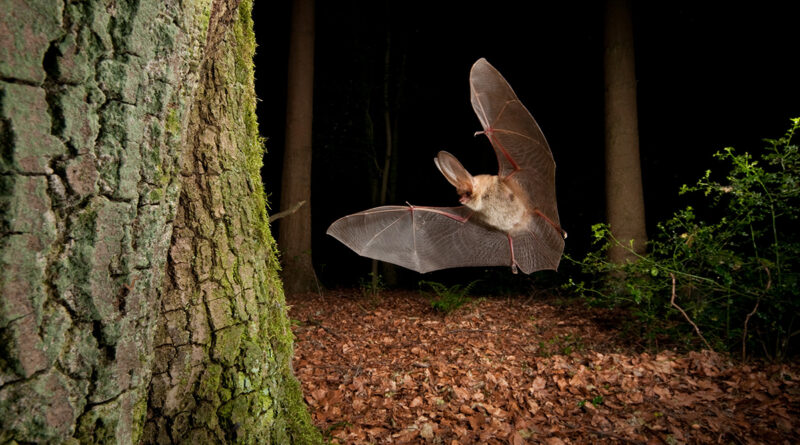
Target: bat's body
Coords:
[[506, 219], [499, 207], [499, 204]]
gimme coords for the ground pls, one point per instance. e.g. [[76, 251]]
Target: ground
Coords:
[[389, 369]]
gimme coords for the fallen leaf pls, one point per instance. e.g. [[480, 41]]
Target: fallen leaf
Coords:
[[426, 432], [397, 372]]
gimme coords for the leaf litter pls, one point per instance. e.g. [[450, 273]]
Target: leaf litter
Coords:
[[506, 371]]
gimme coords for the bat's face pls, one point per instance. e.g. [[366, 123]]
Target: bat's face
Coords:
[[479, 187]]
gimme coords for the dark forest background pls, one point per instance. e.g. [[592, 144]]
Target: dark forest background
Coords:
[[710, 75]]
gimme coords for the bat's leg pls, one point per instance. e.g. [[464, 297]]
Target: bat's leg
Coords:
[[513, 260], [549, 221]]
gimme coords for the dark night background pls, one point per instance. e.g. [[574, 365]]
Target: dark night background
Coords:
[[709, 75]]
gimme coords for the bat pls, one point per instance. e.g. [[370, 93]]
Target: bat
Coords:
[[508, 219]]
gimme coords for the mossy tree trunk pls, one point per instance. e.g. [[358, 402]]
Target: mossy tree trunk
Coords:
[[294, 238], [109, 112], [624, 194], [224, 345]]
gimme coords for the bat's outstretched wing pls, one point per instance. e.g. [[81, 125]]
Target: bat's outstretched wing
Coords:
[[522, 151], [425, 239]]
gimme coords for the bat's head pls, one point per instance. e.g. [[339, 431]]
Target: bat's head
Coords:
[[471, 189]]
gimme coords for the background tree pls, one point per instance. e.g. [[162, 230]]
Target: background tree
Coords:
[[294, 237], [624, 195], [392, 93], [107, 117]]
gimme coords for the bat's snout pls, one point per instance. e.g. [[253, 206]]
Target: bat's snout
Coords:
[[465, 197]]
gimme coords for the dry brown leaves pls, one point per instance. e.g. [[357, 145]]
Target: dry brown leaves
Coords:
[[512, 372]]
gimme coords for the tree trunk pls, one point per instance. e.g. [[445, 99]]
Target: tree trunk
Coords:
[[388, 154], [624, 196], [294, 238], [97, 105]]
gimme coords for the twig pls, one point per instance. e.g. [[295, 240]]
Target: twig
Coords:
[[672, 302], [325, 328], [744, 331], [753, 312], [287, 212]]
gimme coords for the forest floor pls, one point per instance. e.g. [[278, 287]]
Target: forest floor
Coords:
[[389, 369]]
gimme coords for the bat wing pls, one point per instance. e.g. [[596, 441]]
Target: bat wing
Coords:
[[522, 151], [538, 248], [423, 239]]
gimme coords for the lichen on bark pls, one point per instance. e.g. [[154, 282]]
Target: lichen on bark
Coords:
[[95, 105], [224, 346], [85, 88]]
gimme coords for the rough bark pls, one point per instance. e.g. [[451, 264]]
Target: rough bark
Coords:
[[294, 238], [94, 110], [224, 346], [624, 195], [91, 117]]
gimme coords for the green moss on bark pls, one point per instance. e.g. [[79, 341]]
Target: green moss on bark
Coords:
[[246, 392], [286, 397]]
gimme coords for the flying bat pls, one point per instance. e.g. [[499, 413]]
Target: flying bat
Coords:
[[508, 219]]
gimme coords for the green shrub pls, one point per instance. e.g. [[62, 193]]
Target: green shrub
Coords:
[[731, 277], [447, 299]]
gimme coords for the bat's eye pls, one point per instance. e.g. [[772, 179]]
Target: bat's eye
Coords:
[[468, 194]]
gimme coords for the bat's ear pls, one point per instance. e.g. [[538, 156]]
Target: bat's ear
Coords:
[[455, 173]]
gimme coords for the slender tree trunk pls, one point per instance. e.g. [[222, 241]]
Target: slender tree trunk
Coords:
[[295, 230], [624, 196], [388, 149], [97, 104]]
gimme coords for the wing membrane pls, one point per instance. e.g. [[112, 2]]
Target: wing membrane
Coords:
[[522, 151], [423, 239]]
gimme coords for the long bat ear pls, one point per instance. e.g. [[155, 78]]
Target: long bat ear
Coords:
[[455, 173]]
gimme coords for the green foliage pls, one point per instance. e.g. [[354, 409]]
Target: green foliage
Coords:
[[731, 276], [372, 287], [447, 299], [596, 400]]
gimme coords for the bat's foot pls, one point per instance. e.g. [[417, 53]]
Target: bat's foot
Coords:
[[564, 233], [514, 268]]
